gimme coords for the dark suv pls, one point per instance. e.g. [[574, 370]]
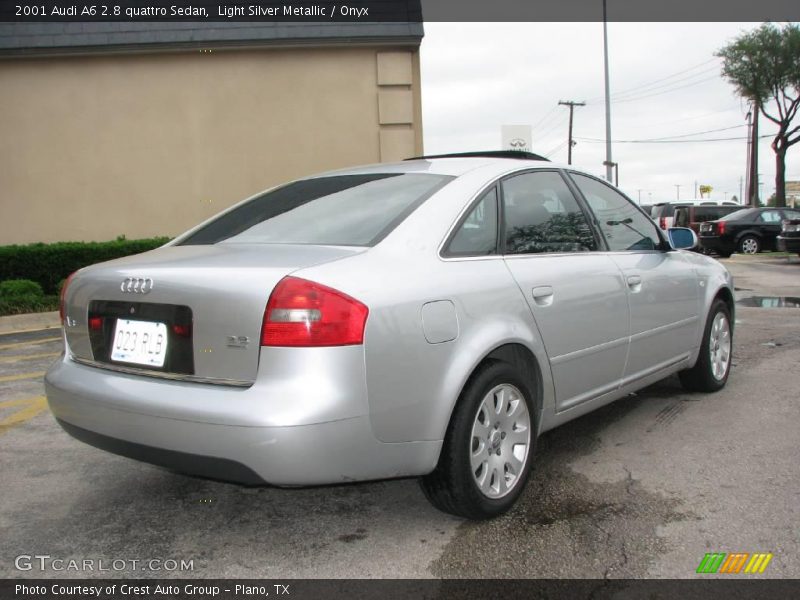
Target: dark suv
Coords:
[[749, 230], [694, 216]]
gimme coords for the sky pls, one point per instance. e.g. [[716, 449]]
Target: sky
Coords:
[[664, 79]]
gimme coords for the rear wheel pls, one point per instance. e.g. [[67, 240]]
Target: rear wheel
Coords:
[[710, 373], [749, 244], [488, 448]]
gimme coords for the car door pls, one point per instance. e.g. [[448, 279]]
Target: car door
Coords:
[[576, 295], [662, 288]]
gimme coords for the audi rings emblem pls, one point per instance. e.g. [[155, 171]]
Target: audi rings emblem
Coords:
[[136, 285]]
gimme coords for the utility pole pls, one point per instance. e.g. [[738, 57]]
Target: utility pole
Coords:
[[570, 143], [747, 200], [695, 189], [740, 190], [608, 162], [753, 191], [640, 196], [678, 187]]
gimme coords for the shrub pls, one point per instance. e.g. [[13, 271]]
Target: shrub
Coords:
[[18, 289], [49, 264]]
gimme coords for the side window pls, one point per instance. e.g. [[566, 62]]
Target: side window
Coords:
[[791, 214], [622, 225], [771, 216], [542, 215], [477, 235]]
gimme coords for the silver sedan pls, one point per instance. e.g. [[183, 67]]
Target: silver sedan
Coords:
[[427, 318]]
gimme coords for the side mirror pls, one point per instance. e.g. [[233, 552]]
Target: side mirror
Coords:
[[682, 238]]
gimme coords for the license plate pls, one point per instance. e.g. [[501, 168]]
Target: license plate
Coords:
[[140, 342]]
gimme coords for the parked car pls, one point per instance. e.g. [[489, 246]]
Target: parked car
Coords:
[[426, 318], [749, 231], [789, 238], [693, 216], [663, 213]]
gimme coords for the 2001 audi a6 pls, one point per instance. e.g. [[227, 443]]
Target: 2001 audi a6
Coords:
[[428, 318]]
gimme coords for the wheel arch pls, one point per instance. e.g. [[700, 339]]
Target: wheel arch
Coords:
[[527, 365]]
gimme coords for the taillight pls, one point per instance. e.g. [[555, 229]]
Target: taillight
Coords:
[[305, 313], [721, 227], [662, 222], [62, 308]]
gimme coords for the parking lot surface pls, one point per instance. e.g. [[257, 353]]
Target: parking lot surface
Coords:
[[642, 488]]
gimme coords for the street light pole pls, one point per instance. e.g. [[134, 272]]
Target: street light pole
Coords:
[[608, 162]]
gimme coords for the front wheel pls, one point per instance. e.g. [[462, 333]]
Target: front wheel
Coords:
[[710, 373], [749, 244], [488, 448]]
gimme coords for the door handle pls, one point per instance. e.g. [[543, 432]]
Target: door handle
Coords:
[[543, 295], [635, 283]]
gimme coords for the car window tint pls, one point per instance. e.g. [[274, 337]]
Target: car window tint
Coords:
[[477, 234], [770, 216], [791, 214], [542, 215], [343, 210], [682, 217], [622, 225]]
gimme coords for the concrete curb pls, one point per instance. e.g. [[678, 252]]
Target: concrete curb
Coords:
[[29, 322]]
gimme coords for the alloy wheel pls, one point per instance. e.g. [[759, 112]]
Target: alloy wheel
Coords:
[[500, 441]]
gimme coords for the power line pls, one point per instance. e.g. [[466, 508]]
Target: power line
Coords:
[[554, 150], [647, 84], [544, 118], [599, 141], [663, 86], [680, 87]]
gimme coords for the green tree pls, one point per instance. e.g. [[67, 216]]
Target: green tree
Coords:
[[764, 66]]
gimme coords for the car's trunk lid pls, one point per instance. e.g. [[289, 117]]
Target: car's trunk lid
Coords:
[[193, 312]]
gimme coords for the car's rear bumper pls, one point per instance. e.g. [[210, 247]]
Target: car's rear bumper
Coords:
[[117, 412], [788, 244], [717, 244]]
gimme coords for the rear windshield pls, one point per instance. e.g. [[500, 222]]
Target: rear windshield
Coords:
[[739, 214], [343, 210], [662, 210]]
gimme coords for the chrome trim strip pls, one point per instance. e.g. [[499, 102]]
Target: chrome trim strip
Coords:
[[160, 375]]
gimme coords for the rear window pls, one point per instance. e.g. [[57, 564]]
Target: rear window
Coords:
[[712, 213], [343, 210], [661, 210], [739, 214]]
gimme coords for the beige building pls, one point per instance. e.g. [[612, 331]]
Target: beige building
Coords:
[[138, 129]]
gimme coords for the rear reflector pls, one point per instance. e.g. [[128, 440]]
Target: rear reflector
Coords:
[[62, 309], [303, 313], [662, 222], [182, 330], [95, 323]]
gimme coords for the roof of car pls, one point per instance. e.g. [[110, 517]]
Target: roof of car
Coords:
[[454, 166]]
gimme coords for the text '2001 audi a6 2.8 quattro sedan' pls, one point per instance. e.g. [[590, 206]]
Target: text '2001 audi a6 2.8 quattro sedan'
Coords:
[[426, 318]]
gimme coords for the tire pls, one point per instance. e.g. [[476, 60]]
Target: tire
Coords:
[[713, 366], [749, 244], [724, 254], [481, 477]]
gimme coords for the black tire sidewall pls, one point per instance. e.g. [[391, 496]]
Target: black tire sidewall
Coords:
[[705, 358], [495, 374]]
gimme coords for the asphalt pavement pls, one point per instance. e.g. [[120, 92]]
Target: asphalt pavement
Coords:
[[644, 487]]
